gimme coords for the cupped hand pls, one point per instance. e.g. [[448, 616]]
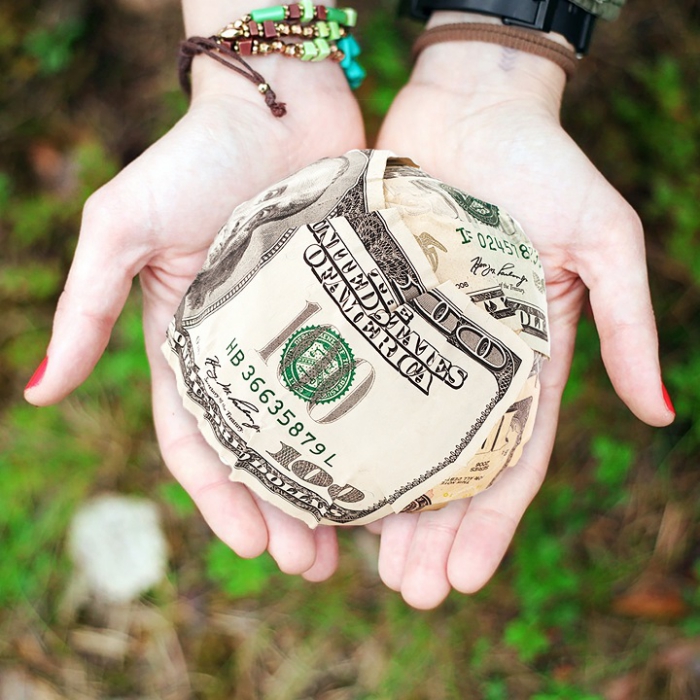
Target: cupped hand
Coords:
[[496, 135], [157, 218]]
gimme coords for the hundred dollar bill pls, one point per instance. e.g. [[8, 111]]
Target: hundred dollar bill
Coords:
[[480, 248], [501, 449], [330, 365]]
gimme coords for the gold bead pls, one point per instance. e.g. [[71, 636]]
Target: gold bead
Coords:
[[265, 49], [289, 50], [263, 88], [296, 29], [308, 31], [277, 46]]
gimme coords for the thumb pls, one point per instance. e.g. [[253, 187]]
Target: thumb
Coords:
[[621, 303], [105, 262]]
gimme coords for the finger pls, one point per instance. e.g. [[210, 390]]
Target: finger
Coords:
[[326, 555], [488, 527], [397, 533], [425, 583], [621, 303], [490, 522], [376, 527], [228, 508], [106, 260], [291, 542]]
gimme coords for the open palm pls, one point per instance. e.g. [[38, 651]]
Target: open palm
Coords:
[[513, 152], [158, 218]]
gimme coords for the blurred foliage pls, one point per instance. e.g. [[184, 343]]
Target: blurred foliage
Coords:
[[601, 583], [236, 576], [38, 450]]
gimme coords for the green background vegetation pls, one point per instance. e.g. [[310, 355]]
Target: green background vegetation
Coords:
[[598, 597]]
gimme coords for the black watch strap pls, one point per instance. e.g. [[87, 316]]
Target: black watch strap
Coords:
[[561, 16]]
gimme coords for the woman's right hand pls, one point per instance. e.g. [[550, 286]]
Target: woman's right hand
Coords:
[[157, 219]]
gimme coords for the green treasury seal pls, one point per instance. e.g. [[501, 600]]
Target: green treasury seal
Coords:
[[317, 364], [480, 210]]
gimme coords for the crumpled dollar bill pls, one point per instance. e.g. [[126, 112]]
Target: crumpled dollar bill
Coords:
[[363, 339]]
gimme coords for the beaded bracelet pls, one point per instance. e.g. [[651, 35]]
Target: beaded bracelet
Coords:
[[303, 30]]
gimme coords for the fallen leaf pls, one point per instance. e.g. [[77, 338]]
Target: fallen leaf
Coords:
[[653, 597]]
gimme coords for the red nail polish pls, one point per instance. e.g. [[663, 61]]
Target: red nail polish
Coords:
[[38, 375], [667, 399]]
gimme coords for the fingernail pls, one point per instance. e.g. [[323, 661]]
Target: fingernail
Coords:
[[38, 375], [667, 399]]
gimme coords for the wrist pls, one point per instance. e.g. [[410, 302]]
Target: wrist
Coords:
[[294, 80], [487, 72]]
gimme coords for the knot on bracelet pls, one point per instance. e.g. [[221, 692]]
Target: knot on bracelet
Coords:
[[196, 45]]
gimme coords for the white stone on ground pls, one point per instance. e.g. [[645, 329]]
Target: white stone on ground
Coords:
[[118, 546]]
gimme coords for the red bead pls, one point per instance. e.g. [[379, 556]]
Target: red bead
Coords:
[[294, 12], [245, 47], [269, 29], [253, 28], [321, 12], [227, 44]]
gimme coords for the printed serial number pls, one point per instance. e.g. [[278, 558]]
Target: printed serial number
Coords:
[[284, 416], [494, 243]]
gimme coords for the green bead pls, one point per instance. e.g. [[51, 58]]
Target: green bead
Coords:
[[324, 50], [310, 51], [336, 15], [351, 15], [333, 30], [322, 29], [276, 14], [307, 10]]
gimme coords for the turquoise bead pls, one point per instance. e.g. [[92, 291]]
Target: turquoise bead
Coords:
[[349, 46], [355, 74], [276, 14]]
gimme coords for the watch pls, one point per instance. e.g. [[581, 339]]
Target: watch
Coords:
[[561, 16]]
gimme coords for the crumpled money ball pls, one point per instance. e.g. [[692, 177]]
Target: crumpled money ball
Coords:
[[364, 339]]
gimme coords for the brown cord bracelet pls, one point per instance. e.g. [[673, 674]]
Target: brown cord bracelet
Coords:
[[511, 37], [209, 46]]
